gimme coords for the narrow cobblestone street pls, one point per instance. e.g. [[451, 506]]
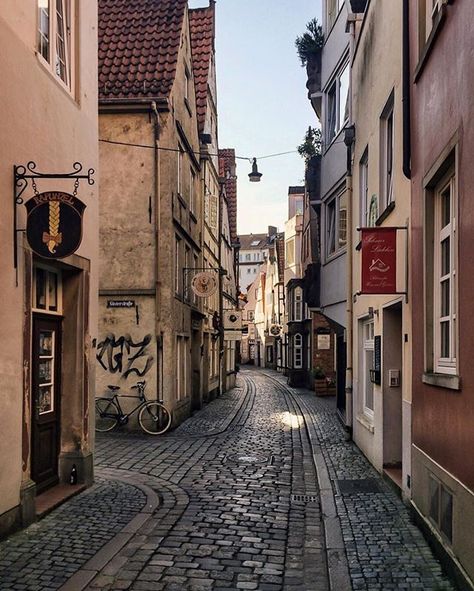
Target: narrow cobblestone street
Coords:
[[250, 493]]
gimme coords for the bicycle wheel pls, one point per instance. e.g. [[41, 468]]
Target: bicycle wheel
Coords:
[[154, 418], [106, 414]]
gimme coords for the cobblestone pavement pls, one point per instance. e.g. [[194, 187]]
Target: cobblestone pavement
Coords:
[[230, 500]]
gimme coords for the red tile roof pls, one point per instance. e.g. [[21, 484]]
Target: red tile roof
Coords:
[[139, 42], [202, 26], [227, 165]]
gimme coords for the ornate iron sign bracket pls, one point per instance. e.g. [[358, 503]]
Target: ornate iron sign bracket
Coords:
[[21, 179]]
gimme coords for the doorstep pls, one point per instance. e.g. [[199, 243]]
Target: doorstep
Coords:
[[53, 497], [394, 476]]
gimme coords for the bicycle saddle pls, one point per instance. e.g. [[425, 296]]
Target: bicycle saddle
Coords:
[[113, 388]]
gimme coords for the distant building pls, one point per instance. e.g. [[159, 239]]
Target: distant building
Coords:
[[254, 251]]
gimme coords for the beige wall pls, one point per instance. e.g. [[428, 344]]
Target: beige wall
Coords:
[[377, 70], [42, 122]]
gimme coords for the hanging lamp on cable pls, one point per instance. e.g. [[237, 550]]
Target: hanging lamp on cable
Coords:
[[255, 176]]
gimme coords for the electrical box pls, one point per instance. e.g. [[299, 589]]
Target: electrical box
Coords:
[[394, 378]]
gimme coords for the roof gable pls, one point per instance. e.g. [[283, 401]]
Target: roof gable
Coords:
[[202, 28], [139, 42]]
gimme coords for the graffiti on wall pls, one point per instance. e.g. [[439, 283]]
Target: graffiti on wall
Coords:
[[124, 356]]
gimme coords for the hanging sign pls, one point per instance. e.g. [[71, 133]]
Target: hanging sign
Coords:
[[204, 284], [232, 320], [54, 224], [379, 260], [232, 335]]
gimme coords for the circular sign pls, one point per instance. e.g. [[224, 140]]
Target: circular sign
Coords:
[[204, 284], [54, 224], [275, 330]]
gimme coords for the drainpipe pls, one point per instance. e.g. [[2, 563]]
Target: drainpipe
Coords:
[[406, 91], [222, 367], [157, 275]]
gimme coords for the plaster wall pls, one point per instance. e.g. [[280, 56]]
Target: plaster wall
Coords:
[[376, 73], [42, 122]]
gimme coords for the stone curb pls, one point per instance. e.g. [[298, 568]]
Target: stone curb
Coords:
[[81, 579], [338, 566]]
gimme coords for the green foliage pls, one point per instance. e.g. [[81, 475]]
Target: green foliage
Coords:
[[318, 373], [311, 145], [311, 42]]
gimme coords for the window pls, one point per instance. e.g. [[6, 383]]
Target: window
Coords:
[[367, 366], [255, 242], [337, 104], [187, 264], [55, 42], [386, 152], [364, 190], [47, 290], [180, 169], [336, 223], [177, 265], [182, 365], [249, 270], [248, 257], [187, 84], [332, 10], [441, 508], [299, 206], [297, 351], [290, 252], [298, 304], [192, 180], [444, 265], [256, 256], [196, 265]]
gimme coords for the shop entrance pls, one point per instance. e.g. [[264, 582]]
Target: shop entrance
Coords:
[[46, 389]]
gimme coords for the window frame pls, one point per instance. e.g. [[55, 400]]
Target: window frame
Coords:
[[334, 89], [445, 365], [297, 351], [177, 263], [179, 176], [339, 246], [368, 346], [59, 290], [387, 152], [68, 15], [364, 201], [298, 304]]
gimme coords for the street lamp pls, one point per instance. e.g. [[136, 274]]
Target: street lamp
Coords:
[[255, 176]]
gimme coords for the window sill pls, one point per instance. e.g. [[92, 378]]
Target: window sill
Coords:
[[193, 217], [335, 255], [385, 213], [428, 48], [182, 201], [365, 422], [442, 380]]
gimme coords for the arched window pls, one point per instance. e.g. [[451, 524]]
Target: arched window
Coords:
[[297, 351]]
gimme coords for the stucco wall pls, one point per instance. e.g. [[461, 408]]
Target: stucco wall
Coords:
[[43, 123], [377, 71]]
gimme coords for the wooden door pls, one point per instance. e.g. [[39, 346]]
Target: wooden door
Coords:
[[46, 384]]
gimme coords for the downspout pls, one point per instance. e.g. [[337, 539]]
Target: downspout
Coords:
[[222, 367], [157, 280], [406, 92]]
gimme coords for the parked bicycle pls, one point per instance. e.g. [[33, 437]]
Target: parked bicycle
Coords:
[[153, 417]]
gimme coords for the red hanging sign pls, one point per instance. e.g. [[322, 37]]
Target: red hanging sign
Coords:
[[379, 260]]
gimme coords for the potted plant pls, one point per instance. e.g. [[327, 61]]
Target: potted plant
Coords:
[[308, 47], [320, 384]]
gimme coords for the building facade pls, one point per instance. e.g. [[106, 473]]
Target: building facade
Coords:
[[328, 86], [254, 251], [441, 70], [381, 324], [50, 279]]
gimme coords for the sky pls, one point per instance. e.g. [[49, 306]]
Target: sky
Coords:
[[262, 100]]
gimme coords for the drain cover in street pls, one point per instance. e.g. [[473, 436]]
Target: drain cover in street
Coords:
[[360, 485], [248, 458], [304, 498]]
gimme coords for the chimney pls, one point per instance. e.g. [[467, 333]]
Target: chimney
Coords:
[[272, 231]]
